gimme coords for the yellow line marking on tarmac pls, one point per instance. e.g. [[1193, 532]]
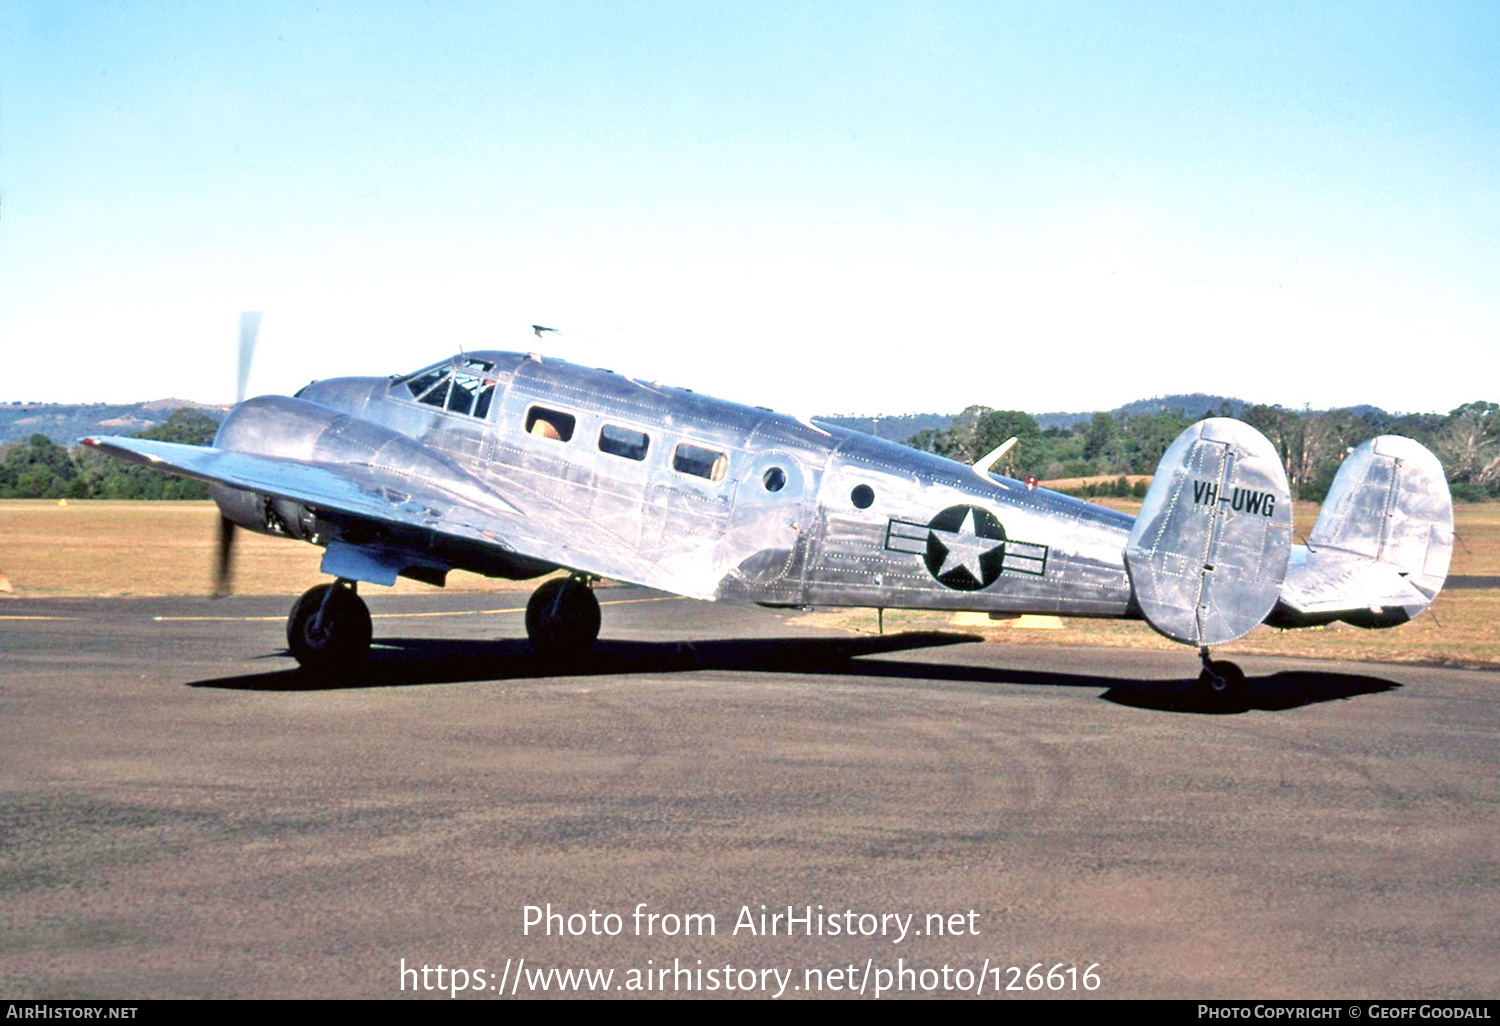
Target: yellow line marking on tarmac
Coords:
[[217, 619], [373, 616]]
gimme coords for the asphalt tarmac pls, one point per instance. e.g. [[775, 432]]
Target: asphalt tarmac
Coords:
[[182, 814]]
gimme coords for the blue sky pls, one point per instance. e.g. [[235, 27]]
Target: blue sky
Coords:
[[857, 207]]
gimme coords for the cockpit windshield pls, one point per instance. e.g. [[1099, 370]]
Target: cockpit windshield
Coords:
[[466, 389]]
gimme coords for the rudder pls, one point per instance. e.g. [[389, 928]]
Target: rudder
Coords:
[[1390, 504], [1380, 550], [1209, 550]]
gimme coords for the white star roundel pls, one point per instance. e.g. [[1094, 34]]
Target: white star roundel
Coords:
[[965, 547]]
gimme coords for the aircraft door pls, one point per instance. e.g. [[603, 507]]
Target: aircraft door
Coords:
[[767, 530], [686, 513]]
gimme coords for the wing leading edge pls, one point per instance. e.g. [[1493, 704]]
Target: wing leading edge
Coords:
[[351, 489], [470, 511]]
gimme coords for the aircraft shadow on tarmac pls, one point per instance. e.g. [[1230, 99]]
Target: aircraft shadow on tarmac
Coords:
[[395, 662]]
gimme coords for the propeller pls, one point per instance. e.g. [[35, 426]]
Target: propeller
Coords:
[[224, 564], [224, 561], [249, 330]]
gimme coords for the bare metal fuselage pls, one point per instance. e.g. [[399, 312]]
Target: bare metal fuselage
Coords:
[[800, 514]]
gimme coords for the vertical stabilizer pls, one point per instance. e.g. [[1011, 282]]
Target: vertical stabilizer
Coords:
[[1390, 504], [1210, 547], [1379, 553]]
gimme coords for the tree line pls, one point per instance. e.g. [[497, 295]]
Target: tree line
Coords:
[[41, 469], [1312, 444]]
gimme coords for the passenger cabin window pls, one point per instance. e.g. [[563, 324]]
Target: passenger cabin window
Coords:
[[619, 441], [700, 462], [553, 424]]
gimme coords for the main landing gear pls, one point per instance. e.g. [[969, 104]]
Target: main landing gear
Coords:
[[329, 627], [562, 619], [1222, 684]]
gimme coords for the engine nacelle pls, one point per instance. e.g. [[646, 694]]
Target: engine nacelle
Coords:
[[278, 426], [359, 549], [311, 433]]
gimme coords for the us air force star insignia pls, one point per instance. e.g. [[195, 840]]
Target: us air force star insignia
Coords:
[[965, 547]]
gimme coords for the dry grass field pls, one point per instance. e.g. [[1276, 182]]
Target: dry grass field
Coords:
[[1477, 525], [166, 548], [100, 547], [1461, 629], [1063, 484]]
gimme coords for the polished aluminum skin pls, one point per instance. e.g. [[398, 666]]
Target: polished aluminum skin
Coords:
[[1209, 549], [510, 465], [1385, 534]]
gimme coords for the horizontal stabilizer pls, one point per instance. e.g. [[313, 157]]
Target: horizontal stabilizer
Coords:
[[1379, 552], [1209, 550]]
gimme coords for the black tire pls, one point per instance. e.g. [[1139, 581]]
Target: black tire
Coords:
[[1222, 685], [340, 640], [562, 619]]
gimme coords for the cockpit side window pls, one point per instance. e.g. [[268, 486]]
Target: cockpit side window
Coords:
[[423, 382], [460, 399], [482, 401], [470, 395], [469, 391], [437, 395], [553, 424], [700, 462]]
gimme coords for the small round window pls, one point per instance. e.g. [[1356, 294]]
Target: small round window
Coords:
[[774, 479], [862, 496]]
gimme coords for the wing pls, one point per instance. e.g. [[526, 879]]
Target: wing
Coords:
[[465, 508], [348, 488]]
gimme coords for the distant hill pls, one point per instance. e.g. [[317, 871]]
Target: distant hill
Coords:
[[1194, 406], [66, 423], [900, 428]]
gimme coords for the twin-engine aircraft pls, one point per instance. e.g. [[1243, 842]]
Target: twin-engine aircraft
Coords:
[[514, 465]]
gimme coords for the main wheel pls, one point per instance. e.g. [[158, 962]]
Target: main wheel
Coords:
[[562, 619], [1222, 685], [329, 628]]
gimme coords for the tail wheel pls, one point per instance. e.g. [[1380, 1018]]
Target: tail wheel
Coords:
[[329, 628], [1222, 685], [562, 619]]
